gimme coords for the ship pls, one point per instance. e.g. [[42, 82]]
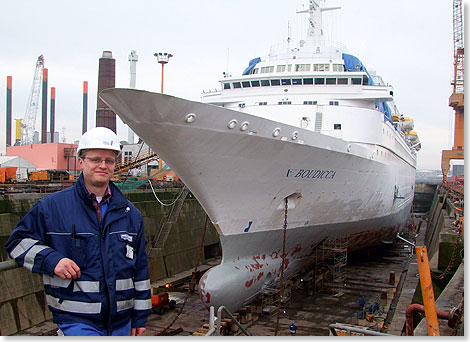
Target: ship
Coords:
[[305, 141]]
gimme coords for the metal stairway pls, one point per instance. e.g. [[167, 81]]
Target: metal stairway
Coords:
[[168, 221]]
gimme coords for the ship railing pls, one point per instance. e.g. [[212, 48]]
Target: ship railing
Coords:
[[211, 92], [8, 265], [216, 331], [287, 50]]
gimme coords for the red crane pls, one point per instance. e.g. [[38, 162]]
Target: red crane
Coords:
[[456, 100]]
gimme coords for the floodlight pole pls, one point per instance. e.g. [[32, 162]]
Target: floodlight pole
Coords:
[[163, 58]]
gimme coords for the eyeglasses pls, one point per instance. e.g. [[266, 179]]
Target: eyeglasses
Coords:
[[98, 160]]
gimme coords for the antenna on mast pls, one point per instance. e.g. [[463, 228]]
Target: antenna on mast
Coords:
[[289, 32]]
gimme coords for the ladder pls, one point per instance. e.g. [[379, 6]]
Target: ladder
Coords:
[[168, 221]]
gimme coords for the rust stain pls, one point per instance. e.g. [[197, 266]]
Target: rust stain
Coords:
[[296, 250], [256, 265], [208, 297]]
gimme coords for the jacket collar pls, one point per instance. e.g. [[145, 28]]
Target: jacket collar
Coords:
[[117, 197]]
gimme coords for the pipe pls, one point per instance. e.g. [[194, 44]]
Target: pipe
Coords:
[[8, 265], [349, 329], [52, 123], [211, 322], [9, 81], [219, 320], [420, 308], [44, 107]]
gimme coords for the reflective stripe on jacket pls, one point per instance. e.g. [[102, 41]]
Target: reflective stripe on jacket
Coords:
[[114, 285]]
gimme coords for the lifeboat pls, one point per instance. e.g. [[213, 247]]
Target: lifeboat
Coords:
[[407, 124]]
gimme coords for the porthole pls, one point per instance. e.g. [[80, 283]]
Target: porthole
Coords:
[[276, 132], [295, 135]]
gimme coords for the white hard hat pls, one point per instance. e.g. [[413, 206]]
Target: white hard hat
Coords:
[[99, 138]]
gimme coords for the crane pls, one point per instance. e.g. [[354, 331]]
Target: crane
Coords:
[[29, 121], [456, 99]]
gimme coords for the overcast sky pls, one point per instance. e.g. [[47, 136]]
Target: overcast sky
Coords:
[[408, 42]]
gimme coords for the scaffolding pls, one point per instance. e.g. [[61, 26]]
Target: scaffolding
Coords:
[[332, 258]]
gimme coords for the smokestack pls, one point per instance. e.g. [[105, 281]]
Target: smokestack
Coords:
[[8, 142], [44, 107], [105, 117], [85, 107], [133, 58], [52, 127]]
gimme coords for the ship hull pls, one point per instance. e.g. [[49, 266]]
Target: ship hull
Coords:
[[243, 173]]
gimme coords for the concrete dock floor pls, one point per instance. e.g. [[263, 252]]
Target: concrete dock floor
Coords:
[[368, 275]]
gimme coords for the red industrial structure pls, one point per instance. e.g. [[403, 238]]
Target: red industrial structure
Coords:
[[53, 156]]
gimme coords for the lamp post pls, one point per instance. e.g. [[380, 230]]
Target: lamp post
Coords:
[[163, 59]]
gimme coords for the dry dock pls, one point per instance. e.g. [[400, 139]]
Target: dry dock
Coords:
[[375, 290]]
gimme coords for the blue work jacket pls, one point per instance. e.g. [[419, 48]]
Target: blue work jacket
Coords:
[[114, 286]]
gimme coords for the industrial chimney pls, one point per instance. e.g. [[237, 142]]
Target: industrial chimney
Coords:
[[85, 107], [52, 118], [105, 117], [44, 107], [8, 135]]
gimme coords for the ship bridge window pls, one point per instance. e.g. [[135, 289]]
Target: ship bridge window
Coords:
[[365, 79], [310, 102], [275, 82], [268, 69], [321, 67], [265, 83], [255, 83], [255, 70], [262, 103], [226, 85], [302, 67], [284, 102], [331, 81], [338, 67], [337, 126], [281, 68], [286, 81], [236, 85], [308, 80], [334, 103], [342, 80], [297, 81], [319, 80], [246, 84], [356, 81]]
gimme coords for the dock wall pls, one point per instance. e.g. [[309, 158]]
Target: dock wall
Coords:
[[22, 302]]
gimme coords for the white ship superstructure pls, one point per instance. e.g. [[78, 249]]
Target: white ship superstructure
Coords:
[[308, 124]]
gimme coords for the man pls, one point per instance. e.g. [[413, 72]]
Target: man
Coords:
[[293, 329], [88, 242]]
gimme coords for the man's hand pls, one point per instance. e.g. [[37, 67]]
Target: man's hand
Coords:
[[67, 269], [137, 331]]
